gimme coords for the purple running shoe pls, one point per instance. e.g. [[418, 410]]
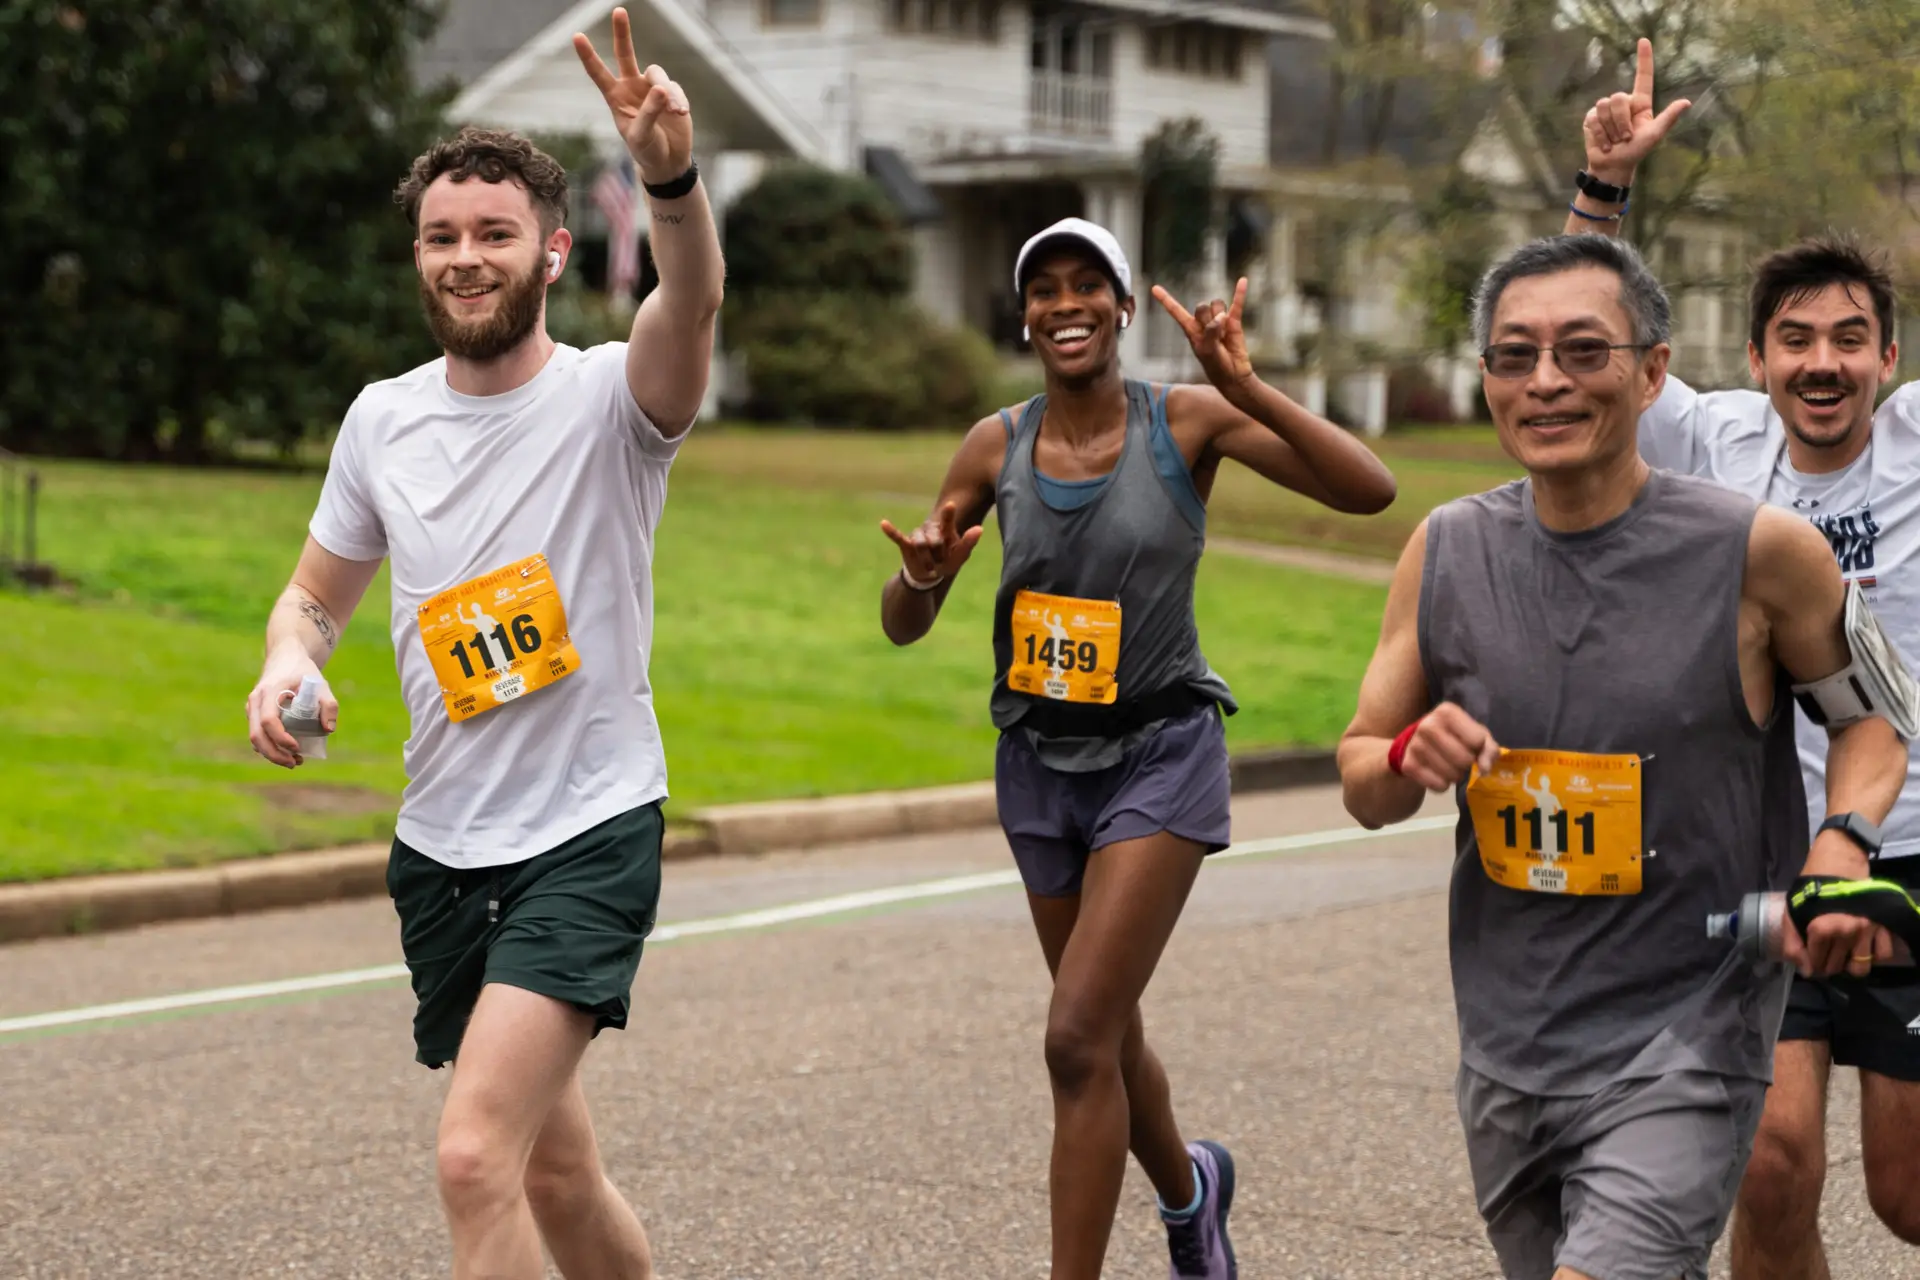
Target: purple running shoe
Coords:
[[1198, 1241]]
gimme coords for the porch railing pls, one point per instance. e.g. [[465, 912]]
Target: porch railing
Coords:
[[1075, 106]]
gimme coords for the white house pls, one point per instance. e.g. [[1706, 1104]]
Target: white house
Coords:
[[984, 119]]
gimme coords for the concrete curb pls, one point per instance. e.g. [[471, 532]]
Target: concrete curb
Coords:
[[88, 904]]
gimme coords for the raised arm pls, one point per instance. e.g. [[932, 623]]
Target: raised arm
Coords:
[[1799, 590], [932, 555], [1620, 132], [302, 631], [1259, 427], [670, 350], [1442, 742]]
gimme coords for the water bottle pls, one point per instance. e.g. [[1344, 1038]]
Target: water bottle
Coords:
[[1758, 928], [300, 716]]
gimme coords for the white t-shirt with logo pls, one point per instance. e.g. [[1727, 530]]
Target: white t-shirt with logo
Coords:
[[1869, 510], [449, 488]]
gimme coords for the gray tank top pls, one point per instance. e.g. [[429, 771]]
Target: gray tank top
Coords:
[[1618, 640], [1134, 536]]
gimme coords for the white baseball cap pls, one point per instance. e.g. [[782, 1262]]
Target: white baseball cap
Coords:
[[1079, 233]]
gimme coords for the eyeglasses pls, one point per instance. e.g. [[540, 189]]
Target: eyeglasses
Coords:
[[1575, 355]]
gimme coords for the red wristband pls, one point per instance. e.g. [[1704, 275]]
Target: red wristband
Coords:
[[1397, 753]]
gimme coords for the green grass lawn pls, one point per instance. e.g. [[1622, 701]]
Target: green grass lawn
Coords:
[[123, 735]]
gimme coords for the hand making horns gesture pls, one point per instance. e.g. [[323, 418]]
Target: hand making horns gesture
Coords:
[[1218, 338], [1622, 130], [649, 109], [937, 549]]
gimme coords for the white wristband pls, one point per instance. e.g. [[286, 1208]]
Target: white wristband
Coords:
[[915, 584]]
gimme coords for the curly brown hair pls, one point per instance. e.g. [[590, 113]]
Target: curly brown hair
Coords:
[[493, 155]]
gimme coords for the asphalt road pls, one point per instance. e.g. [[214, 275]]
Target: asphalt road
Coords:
[[855, 1093]]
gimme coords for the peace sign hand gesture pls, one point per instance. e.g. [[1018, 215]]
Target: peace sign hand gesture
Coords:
[[1219, 340], [1622, 130], [937, 549], [649, 109]]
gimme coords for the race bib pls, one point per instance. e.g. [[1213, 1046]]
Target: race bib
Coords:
[[1065, 649], [498, 637], [1559, 821]]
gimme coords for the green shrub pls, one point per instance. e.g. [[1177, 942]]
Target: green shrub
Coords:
[[844, 360], [805, 229]]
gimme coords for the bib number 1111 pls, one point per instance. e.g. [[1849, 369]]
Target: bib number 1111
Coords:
[[1512, 817]]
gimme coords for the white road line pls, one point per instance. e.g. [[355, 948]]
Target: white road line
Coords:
[[742, 922]]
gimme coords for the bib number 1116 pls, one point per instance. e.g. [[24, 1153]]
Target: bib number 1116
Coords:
[[525, 640]]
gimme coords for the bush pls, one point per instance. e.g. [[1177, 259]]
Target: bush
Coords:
[[1413, 395], [805, 229], [841, 360]]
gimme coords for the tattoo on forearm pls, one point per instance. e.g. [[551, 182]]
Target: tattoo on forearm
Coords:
[[312, 612], [674, 218]]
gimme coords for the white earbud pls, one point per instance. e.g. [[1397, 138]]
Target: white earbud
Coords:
[[1026, 333], [553, 264], [1124, 319]]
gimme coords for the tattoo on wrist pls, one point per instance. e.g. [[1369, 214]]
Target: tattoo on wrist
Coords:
[[312, 612], [675, 218]]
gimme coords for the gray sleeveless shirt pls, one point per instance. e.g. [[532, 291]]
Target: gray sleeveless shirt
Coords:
[[1619, 640], [1134, 536]]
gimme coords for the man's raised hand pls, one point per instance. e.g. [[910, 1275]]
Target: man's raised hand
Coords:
[[649, 109], [1622, 130], [937, 549], [1216, 333]]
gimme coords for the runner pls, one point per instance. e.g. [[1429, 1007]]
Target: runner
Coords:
[[514, 487], [1613, 1058], [1112, 763], [1821, 345]]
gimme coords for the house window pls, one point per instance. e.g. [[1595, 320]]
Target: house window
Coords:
[[1195, 49], [791, 13], [957, 19]]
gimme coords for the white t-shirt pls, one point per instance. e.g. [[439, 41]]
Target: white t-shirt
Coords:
[[1869, 510], [450, 487]]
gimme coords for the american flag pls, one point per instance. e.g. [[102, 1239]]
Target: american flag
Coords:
[[616, 195]]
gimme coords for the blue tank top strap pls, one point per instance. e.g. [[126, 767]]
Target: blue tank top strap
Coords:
[[1172, 465]]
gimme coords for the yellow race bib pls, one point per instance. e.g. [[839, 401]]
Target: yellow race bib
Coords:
[[1559, 821], [497, 637], [1065, 649]]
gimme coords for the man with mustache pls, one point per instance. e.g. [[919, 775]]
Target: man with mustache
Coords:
[[1821, 345], [514, 487]]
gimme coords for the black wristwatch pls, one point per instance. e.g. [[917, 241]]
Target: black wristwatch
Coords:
[[1599, 190], [1856, 829]]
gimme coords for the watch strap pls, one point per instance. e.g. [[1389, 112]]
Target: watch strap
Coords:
[[1599, 190], [1856, 829]]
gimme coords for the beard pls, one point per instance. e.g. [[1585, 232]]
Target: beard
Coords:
[[513, 318]]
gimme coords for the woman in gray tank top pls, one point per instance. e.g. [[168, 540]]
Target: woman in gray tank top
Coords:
[[1112, 765]]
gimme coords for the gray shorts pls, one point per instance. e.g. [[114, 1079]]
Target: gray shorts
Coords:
[[1632, 1183], [1176, 781]]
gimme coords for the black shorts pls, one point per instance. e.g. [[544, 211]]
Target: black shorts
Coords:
[[568, 924], [1876, 1030]]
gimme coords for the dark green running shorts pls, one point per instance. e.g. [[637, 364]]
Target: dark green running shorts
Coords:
[[568, 924]]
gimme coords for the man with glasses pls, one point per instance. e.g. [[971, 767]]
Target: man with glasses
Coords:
[[1821, 346], [1628, 640]]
